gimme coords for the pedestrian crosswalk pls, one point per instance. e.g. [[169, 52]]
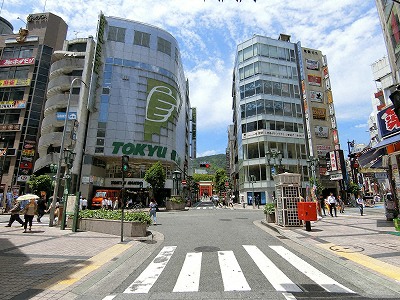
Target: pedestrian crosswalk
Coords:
[[233, 277]]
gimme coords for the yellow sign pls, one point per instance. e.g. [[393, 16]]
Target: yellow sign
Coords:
[[14, 82], [329, 96]]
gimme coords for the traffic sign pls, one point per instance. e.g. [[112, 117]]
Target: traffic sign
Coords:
[[183, 181]]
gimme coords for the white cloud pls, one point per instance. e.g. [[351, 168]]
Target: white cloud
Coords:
[[364, 125]]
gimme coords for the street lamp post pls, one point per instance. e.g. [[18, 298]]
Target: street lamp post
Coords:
[[176, 176], [275, 155], [252, 180], [57, 181], [312, 163], [69, 157]]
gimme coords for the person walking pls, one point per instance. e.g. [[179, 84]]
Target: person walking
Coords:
[[153, 210], [15, 210], [322, 204], [360, 203], [341, 204], [41, 208], [29, 212], [332, 204]]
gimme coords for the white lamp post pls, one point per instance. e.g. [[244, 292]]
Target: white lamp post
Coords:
[[57, 181]]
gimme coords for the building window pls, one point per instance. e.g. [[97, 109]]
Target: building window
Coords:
[[98, 150], [164, 46], [141, 39], [116, 34]]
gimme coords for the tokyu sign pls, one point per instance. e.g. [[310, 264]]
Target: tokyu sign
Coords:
[[145, 150]]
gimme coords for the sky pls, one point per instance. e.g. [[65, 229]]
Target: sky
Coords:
[[348, 32]]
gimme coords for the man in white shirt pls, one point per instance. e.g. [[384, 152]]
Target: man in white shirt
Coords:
[[84, 203], [332, 204], [360, 203]]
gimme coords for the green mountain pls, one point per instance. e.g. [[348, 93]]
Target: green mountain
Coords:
[[216, 162]]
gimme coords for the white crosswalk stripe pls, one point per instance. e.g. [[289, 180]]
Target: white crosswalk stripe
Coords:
[[315, 275], [233, 277], [150, 275], [274, 275], [189, 278]]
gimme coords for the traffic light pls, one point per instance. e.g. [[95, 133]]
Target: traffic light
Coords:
[[205, 165], [125, 163], [395, 97]]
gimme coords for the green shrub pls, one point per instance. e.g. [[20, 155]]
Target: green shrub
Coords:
[[141, 217], [269, 209], [176, 200]]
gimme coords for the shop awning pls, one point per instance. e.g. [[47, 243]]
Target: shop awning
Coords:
[[388, 141], [371, 157]]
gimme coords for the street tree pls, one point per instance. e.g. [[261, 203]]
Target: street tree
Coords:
[[219, 180], [155, 176], [41, 183]]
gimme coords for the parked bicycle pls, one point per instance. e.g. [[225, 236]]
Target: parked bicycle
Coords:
[[137, 206]]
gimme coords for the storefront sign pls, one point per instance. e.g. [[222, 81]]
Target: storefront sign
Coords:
[[321, 131], [13, 104], [326, 73], [263, 132], [322, 150], [145, 150], [17, 62], [23, 178], [312, 64], [388, 121], [72, 115], [314, 80], [37, 17], [329, 96], [319, 113], [335, 136], [10, 127], [336, 177], [316, 96], [14, 82]]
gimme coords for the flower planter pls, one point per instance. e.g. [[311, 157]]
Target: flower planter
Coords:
[[170, 205], [132, 229], [270, 218]]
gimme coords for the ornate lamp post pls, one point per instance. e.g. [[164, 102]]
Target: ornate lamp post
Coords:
[[312, 163], [276, 156], [176, 177], [69, 157], [252, 180], [57, 181]]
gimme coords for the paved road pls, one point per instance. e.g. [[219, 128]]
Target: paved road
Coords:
[[230, 248]]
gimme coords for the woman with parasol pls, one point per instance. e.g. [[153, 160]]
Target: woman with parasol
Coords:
[[29, 210]]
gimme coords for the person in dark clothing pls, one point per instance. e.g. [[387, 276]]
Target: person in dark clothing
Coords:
[[41, 208], [15, 210]]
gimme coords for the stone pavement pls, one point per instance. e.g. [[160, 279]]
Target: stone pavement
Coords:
[[369, 240], [49, 263]]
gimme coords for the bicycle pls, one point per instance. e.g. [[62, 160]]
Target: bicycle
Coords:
[[137, 206]]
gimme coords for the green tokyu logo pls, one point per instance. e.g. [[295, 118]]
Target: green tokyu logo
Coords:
[[161, 108]]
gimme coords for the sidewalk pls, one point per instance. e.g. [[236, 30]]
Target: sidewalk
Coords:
[[49, 263], [368, 240]]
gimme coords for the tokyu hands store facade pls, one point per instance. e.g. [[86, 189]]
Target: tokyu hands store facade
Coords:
[[139, 107]]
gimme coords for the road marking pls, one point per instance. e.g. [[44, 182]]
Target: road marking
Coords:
[[232, 274], [274, 275], [149, 276], [189, 277], [381, 267], [92, 264], [110, 297], [289, 296], [317, 276]]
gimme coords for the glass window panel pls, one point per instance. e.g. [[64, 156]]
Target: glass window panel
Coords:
[[249, 89], [294, 73], [272, 125], [253, 151], [289, 126], [265, 68], [283, 72], [247, 52], [112, 33], [277, 89], [267, 87], [273, 52], [287, 109], [241, 90], [281, 53], [121, 35], [240, 56], [251, 109], [252, 126], [248, 71], [259, 88], [263, 49], [296, 91], [260, 106], [241, 73], [243, 111], [280, 125], [269, 107], [278, 105], [292, 55], [257, 68], [275, 70], [285, 90], [298, 111]]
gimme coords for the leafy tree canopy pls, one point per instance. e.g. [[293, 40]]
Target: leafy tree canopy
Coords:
[[155, 176], [220, 179], [40, 183]]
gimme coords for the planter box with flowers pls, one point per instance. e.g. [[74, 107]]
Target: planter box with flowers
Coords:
[[109, 222], [269, 211], [175, 203]]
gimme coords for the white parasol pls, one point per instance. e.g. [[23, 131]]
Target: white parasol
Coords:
[[27, 197]]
